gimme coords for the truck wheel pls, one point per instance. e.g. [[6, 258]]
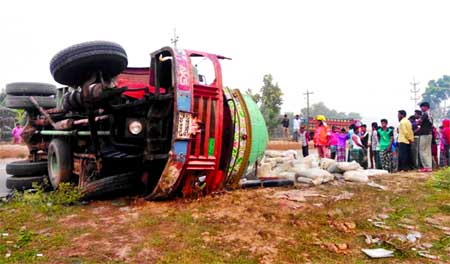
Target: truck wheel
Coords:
[[251, 184], [30, 88], [23, 168], [24, 102], [23, 183], [113, 185], [59, 162], [75, 64], [277, 183]]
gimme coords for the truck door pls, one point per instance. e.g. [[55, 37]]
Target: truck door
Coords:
[[205, 147]]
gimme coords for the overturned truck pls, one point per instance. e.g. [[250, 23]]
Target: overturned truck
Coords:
[[160, 131]]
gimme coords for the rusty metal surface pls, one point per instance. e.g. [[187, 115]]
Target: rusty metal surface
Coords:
[[172, 173]]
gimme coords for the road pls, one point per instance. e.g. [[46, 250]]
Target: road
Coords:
[[3, 190]]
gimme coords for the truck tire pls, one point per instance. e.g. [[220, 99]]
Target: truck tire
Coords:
[[30, 88], [251, 184], [277, 183], [60, 162], [24, 102], [23, 183], [23, 168], [75, 64], [118, 184]]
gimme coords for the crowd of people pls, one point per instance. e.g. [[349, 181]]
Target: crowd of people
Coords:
[[414, 144]]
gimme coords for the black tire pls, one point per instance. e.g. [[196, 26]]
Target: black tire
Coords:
[[119, 184], [60, 162], [75, 64], [30, 88], [24, 102], [277, 183], [251, 184], [23, 168], [23, 183]]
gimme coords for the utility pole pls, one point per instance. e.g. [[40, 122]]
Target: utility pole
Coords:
[[415, 90], [307, 104], [175, 38]]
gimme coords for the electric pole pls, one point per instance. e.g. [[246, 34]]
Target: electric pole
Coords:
[[307, 104], [175, 38], [415, 90]]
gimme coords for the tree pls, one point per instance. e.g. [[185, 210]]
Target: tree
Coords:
[[255, 96], [437, 93], [270, 102], [321, 109]]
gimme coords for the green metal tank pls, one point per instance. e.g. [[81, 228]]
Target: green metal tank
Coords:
[[260, 136]]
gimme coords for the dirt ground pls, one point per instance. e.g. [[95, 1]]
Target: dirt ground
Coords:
[[324, 224], [8, 150]]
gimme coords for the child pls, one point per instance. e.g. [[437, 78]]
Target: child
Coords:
[[17, 134], [342, 142], [304, 139], [333, 141]]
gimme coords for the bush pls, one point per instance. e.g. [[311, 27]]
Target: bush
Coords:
[[66, 194]]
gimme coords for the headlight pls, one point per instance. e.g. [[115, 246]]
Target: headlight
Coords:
[[135, 127]]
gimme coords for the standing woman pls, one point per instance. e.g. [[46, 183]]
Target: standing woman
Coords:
[[321, 137]]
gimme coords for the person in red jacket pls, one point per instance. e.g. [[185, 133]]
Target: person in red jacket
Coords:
[[321, 137], [445, 137]]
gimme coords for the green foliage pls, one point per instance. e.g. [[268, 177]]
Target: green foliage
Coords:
[[321, 109], [270, 102], [436, 93], [441, 180], [256, 97], [66, 194]]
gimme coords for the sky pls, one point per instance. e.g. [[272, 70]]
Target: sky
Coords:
[[356, 56]]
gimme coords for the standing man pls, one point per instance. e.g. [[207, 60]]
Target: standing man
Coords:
[[374, 155], [386, 139], [415, 144], [405, 139], [425, 130], [285, 124], [296, 126], [321, 137], [358, 151]]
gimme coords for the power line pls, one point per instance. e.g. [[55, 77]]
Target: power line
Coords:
[[415, 90], [307, 104], [175, 38]]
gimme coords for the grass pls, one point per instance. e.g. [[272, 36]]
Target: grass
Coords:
[[238, 227]]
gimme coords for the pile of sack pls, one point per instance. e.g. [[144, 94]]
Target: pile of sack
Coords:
[[311, 170]]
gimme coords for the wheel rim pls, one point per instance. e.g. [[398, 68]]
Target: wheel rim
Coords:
[[54, 168]]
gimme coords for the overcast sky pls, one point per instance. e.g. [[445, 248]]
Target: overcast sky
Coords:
[[354, 55]]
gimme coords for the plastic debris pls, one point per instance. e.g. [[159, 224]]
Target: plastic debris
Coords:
[[413, 236], [378, 252], [39, 255], [427, 255], [5, 234], [376, 185], [343, 196]]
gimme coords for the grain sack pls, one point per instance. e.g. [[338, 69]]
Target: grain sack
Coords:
[[264, 170], [348, 166], [374, 172], [356, 176], [326, 163]]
